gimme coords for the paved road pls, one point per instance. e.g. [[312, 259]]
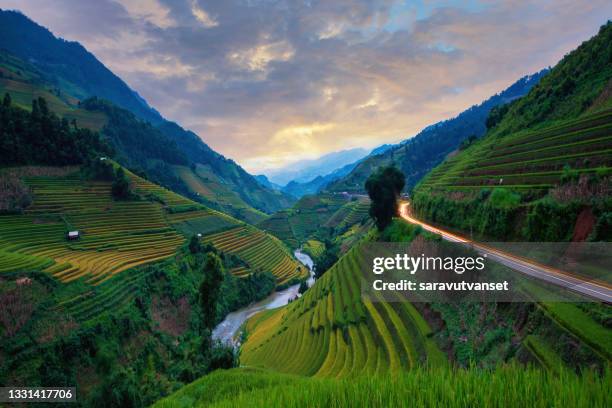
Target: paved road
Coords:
[[591, 289]]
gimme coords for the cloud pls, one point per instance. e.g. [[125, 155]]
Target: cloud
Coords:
[[268, 83], [202, 16], [149, 10]]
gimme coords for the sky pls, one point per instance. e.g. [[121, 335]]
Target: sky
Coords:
[[271, 82]]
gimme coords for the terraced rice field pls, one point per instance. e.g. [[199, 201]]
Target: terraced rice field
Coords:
[[203, 222], [332, 332], [279, 225], [359, 211], [240, 272], [530, 160], [207, 185], [113, 294], [115, 235], [309, 215], [260, 250]]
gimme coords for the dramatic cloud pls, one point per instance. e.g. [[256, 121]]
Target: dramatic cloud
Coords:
[[271, 82]]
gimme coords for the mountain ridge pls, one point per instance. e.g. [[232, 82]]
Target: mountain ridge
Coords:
[[419, 154], [70, 69]]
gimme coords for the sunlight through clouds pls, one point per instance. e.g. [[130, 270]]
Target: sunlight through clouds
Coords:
[[286, 76]]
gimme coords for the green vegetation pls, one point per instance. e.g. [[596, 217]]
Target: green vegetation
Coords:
[[210, 289], [128, 341], [260, 251], [215, 193], [542, 171], [512, 385], [115, 235], [41, 137], [384, 188], [331, 331]]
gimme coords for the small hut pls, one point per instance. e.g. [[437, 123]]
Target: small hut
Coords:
[[72, 235]]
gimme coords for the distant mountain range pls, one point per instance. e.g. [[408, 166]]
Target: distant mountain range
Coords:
[[418, 155], [306, 170], [37, 61], [300, 189]]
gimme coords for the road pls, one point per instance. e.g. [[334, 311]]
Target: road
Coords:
[[557, 277]]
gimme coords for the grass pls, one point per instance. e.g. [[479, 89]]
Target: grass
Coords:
[[115, 235], [442, 387], [580, 324], [542, 352], [313, 248]]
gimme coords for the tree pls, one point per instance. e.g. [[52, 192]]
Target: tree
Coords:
[[384, 187], [303, 287], [121, 185], [194, 245], [210, 288]]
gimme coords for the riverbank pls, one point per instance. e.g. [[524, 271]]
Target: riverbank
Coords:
[[227, 329]]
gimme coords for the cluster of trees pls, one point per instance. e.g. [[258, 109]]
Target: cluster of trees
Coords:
[[136, 141], [41, 137]]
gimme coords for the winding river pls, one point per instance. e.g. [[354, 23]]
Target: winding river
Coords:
[[227, 329]]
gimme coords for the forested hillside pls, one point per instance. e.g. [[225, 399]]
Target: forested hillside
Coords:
[[35, 63]]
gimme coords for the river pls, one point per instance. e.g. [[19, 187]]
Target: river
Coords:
[[227, 329]]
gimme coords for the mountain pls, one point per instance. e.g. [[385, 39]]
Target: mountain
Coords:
[[263, 180], [543, 170], [133, 266], [306, 170], [300, 189], [38, 63], [416, 156], [68, 65], [550, 153]]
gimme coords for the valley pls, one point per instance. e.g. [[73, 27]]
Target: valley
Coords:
[[144, 268]]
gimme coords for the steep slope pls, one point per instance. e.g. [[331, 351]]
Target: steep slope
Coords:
[[333, 332], [547, 156], [315, 216], [68, 71], [418, 155], [116, 235], [68, 65]]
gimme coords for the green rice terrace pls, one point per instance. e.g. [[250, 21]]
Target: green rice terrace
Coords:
[[530, 160], [117, 235], [261, 251], [315, 215], [332, 332], [213, 191]]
